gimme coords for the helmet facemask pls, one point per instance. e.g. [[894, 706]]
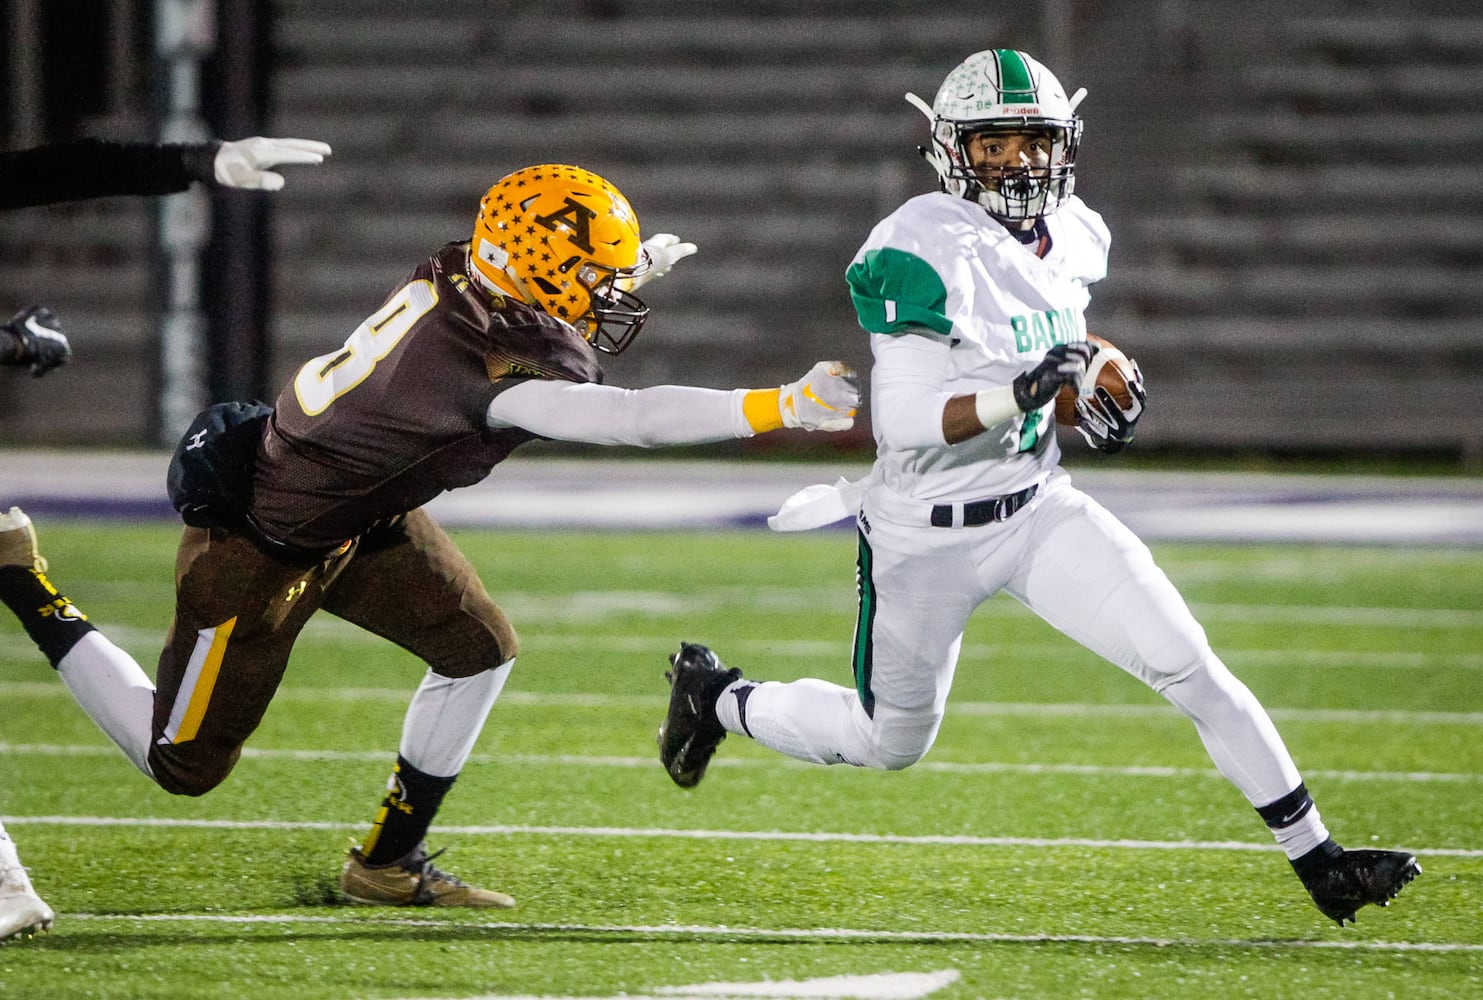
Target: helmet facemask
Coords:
[[616, 315], [1013, 193], [566, 241]]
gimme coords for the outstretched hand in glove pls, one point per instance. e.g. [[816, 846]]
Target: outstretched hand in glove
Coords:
[[39, 341], [663, 251], [245, 162], [825, 399]]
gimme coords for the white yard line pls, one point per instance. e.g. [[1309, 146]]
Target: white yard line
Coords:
[[731, 933], [658, 833]]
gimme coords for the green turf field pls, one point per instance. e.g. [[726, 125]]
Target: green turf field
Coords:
[[1066, 837]]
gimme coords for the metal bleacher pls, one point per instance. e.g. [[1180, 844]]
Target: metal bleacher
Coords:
[[1313, 276], [1293, 193]]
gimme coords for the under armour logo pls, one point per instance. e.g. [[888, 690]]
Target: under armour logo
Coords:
[[61, 609], [296, 590], [197, 440]]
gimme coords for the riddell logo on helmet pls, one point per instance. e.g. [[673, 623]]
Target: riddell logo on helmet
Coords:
[[1027, 109]]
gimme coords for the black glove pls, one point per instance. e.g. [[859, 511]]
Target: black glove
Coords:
[[1105, 425], [39, 340], [1061, 364]]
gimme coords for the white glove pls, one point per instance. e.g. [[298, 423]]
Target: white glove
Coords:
[[823, 400], [663, 251], [242, 164]]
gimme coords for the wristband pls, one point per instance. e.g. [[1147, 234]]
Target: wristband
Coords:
[[994, 406], [763, 410]]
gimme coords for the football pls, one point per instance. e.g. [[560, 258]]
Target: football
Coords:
[[1110, 369]]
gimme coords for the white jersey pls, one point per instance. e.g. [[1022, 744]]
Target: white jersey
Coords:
[[940, 267]]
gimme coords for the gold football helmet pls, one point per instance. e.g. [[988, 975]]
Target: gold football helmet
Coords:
[[567, 242]]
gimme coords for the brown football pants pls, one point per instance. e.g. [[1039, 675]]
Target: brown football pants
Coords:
[[239, 610]]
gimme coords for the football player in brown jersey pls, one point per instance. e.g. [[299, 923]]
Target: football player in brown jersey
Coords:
[[488, 344]]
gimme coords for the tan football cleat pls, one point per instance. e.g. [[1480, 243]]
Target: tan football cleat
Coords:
[[18, 541], [22, 911], [412, 881]]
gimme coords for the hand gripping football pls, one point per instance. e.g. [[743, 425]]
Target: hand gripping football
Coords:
[[1110, 369]]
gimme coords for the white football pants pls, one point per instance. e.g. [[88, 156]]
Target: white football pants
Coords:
[[1072, 563]]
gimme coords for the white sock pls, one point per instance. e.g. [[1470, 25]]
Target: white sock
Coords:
[[445, 719], [1301, 837], [807, 719], [114, 692]]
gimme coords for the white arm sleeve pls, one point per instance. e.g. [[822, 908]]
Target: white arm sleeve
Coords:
[[603, 414], [906, 393]]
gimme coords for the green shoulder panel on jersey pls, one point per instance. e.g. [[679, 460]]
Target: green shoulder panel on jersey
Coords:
[[898, 292]]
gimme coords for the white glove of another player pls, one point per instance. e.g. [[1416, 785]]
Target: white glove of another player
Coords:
[[664, 250], [244, 163], [823, 400]]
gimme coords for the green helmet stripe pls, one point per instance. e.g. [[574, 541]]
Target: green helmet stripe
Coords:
[[1015, 86]]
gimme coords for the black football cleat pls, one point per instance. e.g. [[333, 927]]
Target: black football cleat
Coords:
[[1341, 881], [690, 732]]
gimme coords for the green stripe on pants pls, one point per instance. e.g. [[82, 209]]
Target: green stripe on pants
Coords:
[[864, 625]]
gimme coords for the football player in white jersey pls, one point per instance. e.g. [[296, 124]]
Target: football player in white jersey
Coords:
[[974, 299]]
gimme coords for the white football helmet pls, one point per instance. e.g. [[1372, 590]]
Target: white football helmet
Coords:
[[1003, 90]]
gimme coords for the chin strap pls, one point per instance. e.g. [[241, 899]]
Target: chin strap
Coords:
[[523, 289]]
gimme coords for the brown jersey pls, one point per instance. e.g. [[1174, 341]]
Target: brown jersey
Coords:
[[397, 415]]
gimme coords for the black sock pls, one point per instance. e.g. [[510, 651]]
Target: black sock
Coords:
[[51, 620], [1287, 810], [411, 802], [1316, 860]]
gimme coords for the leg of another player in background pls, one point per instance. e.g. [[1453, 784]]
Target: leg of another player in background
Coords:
[[22, 911]]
